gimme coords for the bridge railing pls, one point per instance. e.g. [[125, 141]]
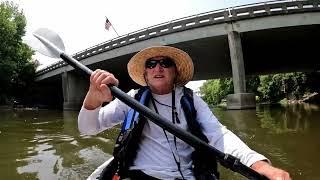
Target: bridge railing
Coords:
[[254, 10]]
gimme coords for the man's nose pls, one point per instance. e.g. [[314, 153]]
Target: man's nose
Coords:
[[158, 67]]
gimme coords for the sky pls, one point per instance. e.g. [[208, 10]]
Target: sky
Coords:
[[80, 23]]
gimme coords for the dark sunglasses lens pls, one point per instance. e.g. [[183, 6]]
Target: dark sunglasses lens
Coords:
[[151, 64], [166, 63]]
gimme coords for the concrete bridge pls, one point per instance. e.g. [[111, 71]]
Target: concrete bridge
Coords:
[[261, 38]]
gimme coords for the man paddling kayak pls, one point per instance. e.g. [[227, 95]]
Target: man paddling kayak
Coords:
[[144, 150]]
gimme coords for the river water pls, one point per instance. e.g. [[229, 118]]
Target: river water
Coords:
[[47, 145]]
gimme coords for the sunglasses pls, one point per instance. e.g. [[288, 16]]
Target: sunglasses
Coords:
[[165, 63]]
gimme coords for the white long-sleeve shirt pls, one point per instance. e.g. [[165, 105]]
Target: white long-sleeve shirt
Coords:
[[155, 157]]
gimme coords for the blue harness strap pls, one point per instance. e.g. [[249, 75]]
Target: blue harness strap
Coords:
[[132, 115], [187, 101]]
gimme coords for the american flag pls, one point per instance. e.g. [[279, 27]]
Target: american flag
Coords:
[[107, 24]]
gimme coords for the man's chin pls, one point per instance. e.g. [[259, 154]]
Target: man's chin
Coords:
[[159, 84]]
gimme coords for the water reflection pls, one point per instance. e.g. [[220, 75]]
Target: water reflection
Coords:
[[47, 144], [287, 118], [43, 162], [286, 134]]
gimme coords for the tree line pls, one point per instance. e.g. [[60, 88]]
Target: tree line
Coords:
[[267, 88], [17, 70]]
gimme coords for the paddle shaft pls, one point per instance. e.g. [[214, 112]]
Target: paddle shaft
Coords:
[[226, 160]]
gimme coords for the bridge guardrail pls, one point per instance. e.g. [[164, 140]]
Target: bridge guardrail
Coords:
[[254, 10]]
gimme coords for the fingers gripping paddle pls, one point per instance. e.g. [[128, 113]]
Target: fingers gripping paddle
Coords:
[[50, 44]]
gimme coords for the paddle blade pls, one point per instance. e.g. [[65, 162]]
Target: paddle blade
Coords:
[[43, 35]]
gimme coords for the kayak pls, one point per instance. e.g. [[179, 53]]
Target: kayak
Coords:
[[96, 173]]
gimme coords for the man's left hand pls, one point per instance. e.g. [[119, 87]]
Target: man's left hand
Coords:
[[269, 171]]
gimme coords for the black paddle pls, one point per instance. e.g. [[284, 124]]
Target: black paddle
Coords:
[[50, 44]]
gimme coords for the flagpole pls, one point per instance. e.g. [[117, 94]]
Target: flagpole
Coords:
[[115, 31], [112, 26]]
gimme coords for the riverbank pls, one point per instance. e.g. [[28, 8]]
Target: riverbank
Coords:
[[8, 107], [310, 98]]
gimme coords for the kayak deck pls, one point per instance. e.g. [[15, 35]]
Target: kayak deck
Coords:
[[96, 173]]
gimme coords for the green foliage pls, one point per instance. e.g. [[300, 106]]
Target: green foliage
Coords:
[[275, 87], [214, 91], [269, 88], [16, 68], [252, 84]]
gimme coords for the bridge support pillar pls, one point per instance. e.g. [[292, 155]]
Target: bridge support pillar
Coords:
[[240, 99], [74, 90]]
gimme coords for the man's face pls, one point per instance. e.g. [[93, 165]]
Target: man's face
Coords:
[[160, 73]]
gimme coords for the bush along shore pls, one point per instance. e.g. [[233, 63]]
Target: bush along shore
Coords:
[[288, 88]]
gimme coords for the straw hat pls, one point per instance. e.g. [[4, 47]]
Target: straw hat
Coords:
[[183, 61]]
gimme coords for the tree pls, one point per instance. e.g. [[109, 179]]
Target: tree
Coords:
[[213, 91], [16, 68], [275, 87], [269, 88]]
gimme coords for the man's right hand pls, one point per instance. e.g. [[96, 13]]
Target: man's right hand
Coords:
[[99, 91]]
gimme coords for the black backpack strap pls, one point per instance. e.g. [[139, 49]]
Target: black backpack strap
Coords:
[[190, 112], [127, 143], [202, 169], [126, 148]]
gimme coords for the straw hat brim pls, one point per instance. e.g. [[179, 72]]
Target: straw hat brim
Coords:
[[183, 61]]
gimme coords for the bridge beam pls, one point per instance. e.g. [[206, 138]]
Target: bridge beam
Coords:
[[74, 89], [240, 99]]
